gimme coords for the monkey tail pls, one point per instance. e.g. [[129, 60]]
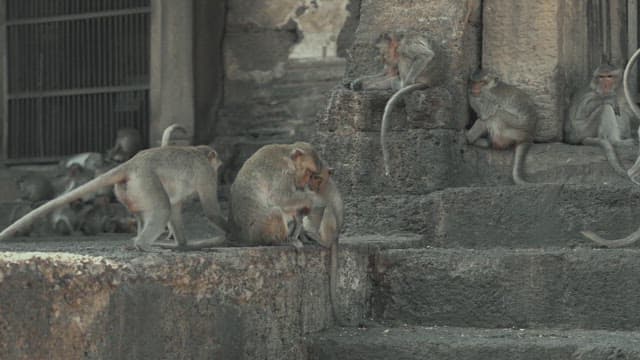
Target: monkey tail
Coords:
[[609, 152], [168, 132], [625, 83], [385, 120], [333, 281], [111, 177], [632, 238], [518, 163]]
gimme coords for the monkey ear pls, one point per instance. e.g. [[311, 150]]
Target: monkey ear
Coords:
[[296, 153]]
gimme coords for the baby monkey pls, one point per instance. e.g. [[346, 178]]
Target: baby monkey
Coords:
[[506, 117], [152, 185]]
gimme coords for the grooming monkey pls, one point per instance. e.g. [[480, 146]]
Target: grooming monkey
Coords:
[[270, 195], [506, 116], [128, 143], [323, 225], [152, 185], [407, 57], [599, 116], [634, 171]]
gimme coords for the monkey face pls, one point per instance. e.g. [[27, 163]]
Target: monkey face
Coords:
[[607, 83], [306, 164], [319, 180], [476, 87]]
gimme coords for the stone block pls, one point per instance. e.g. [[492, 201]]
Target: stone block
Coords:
[[421, 161], [92, 300], [405, 342], [499, 288], [452, 27], [349, 111], [541, 47]]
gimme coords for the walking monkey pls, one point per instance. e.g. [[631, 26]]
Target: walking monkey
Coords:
[[152, 185]]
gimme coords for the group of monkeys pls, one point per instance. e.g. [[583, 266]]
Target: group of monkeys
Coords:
[[600, 114], [285, 194]]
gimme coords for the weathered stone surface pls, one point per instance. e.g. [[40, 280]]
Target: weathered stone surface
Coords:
[[498, 288], [421, 161], [444, 21], [349, 111], [90, 300], [543, 48], [504, 216], [450, 343]]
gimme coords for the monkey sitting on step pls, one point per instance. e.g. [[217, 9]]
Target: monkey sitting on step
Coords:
[[634, 171], [407, 58], [599, 116], [506, 117], [270, 195], [152, 185]]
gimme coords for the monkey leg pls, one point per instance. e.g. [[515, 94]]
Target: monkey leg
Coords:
[[176, 226], [608, 128], [276, 228], [474, 134], [518, 163], [146, 194]]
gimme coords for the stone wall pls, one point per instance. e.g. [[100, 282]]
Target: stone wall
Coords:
[[281, 59]]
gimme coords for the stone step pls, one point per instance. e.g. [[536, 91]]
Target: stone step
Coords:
[[504, 216], [78, 298], [450, 343], [424, 160], [500, 288]]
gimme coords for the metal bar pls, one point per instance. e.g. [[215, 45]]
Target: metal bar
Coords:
[[4, 57], [89, 15], [81, 91]]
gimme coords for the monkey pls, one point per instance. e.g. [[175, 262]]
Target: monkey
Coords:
[[407, 57], [323, 224], [128, 143], [633, 173], [152, 185], [167, 134], [270, 195], [598, 117], [507, 116], [35, 188]]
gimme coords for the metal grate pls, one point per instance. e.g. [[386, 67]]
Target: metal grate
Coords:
[[77, 71]]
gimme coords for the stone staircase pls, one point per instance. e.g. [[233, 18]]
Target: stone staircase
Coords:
[[444, 260], [489, 270]]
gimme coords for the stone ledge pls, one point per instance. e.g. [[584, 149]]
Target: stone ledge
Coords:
[[90, 299], [505, 216], [500, 288], [445, 343]]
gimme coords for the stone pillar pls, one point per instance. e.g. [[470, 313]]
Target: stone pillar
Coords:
[[171, 78], [541, 47]]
